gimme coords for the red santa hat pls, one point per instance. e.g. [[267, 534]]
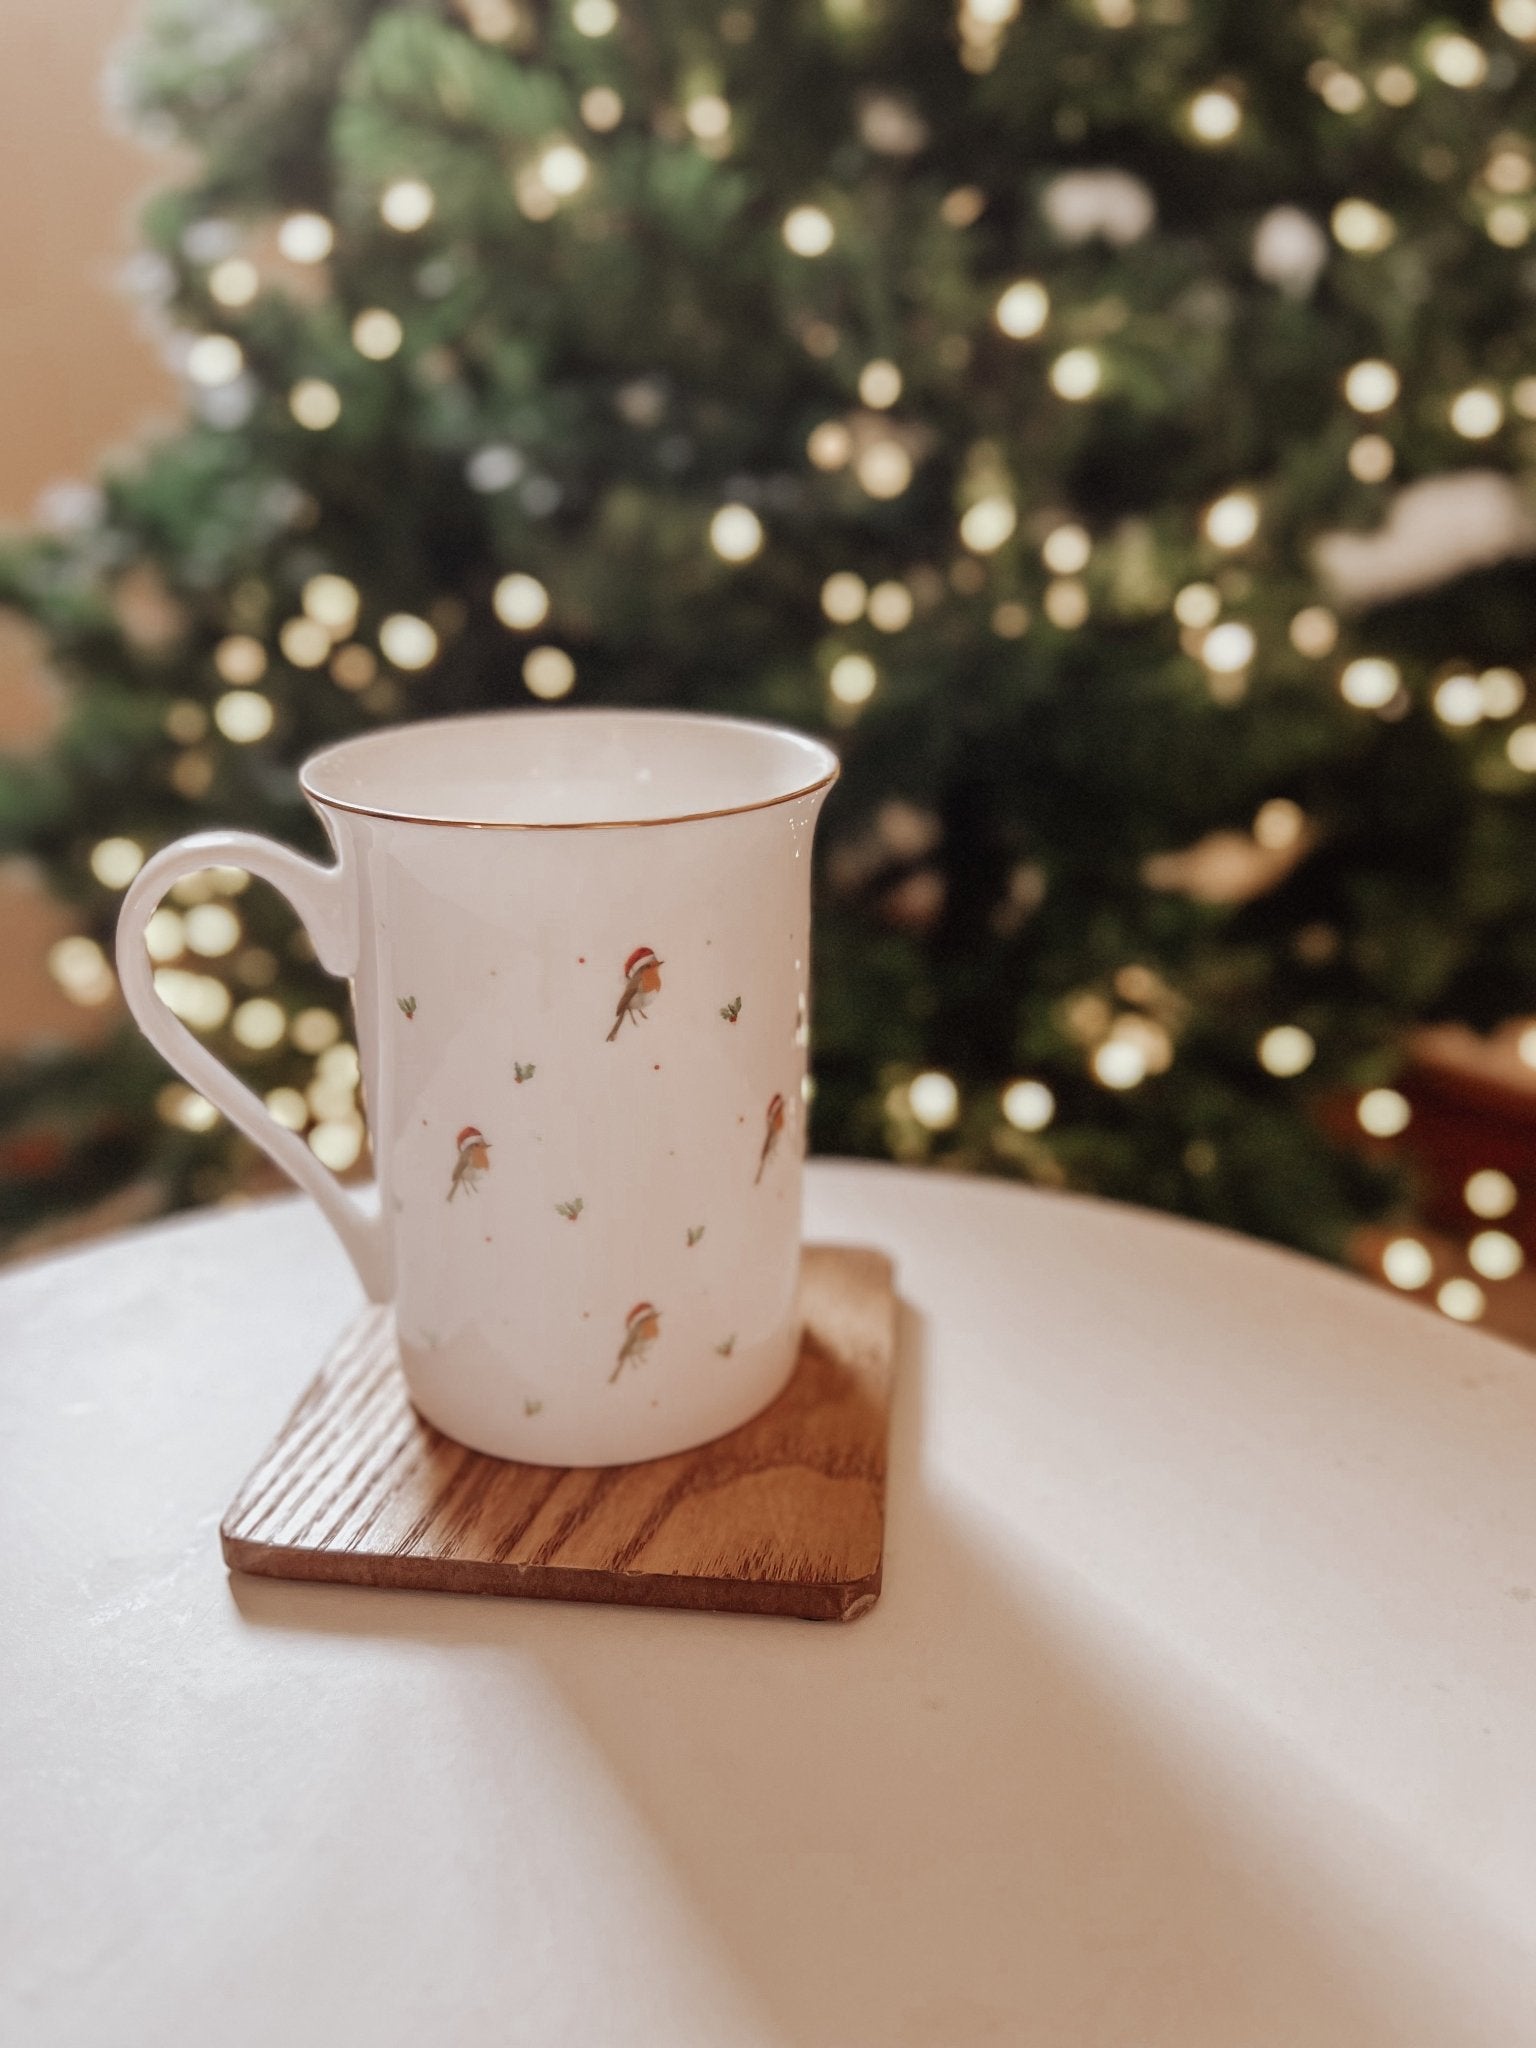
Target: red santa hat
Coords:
[[469, 1136], [642, 956], [638, 1314]]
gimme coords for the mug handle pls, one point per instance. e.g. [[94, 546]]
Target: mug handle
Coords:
[[324, 903]]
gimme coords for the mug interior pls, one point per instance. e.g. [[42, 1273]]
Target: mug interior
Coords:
[[567, 768]]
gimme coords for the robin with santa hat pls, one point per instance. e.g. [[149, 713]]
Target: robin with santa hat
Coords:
[[775, 1122], [473, 1160], [642, 980], [642, 1326]]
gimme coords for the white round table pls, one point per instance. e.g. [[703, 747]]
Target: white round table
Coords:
[[1199, 1710]]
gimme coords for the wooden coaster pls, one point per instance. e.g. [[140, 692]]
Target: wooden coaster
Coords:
[[786, 1515]]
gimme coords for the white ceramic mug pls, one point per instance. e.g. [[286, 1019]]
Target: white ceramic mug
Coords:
[[578, 943]]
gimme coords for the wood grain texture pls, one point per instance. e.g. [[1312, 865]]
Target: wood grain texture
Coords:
[[786, 1515]]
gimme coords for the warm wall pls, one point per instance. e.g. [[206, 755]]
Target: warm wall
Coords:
[[77, 374]]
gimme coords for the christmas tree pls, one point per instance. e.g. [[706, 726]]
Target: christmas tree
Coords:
[[1110, 419]]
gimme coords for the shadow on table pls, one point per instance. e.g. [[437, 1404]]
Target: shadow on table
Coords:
[[948, 1823]]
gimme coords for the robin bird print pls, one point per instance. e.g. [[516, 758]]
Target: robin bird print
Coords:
[[642, 981], [642, 1326], [770, 1135], [474, 1159]]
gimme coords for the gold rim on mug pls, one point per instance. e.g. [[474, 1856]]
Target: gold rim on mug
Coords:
[[767, 803]]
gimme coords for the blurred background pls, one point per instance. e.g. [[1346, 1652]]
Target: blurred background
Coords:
[[1112, 422], [79, 376]]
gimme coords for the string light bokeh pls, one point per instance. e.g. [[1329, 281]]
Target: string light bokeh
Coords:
[[1004, 430]]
